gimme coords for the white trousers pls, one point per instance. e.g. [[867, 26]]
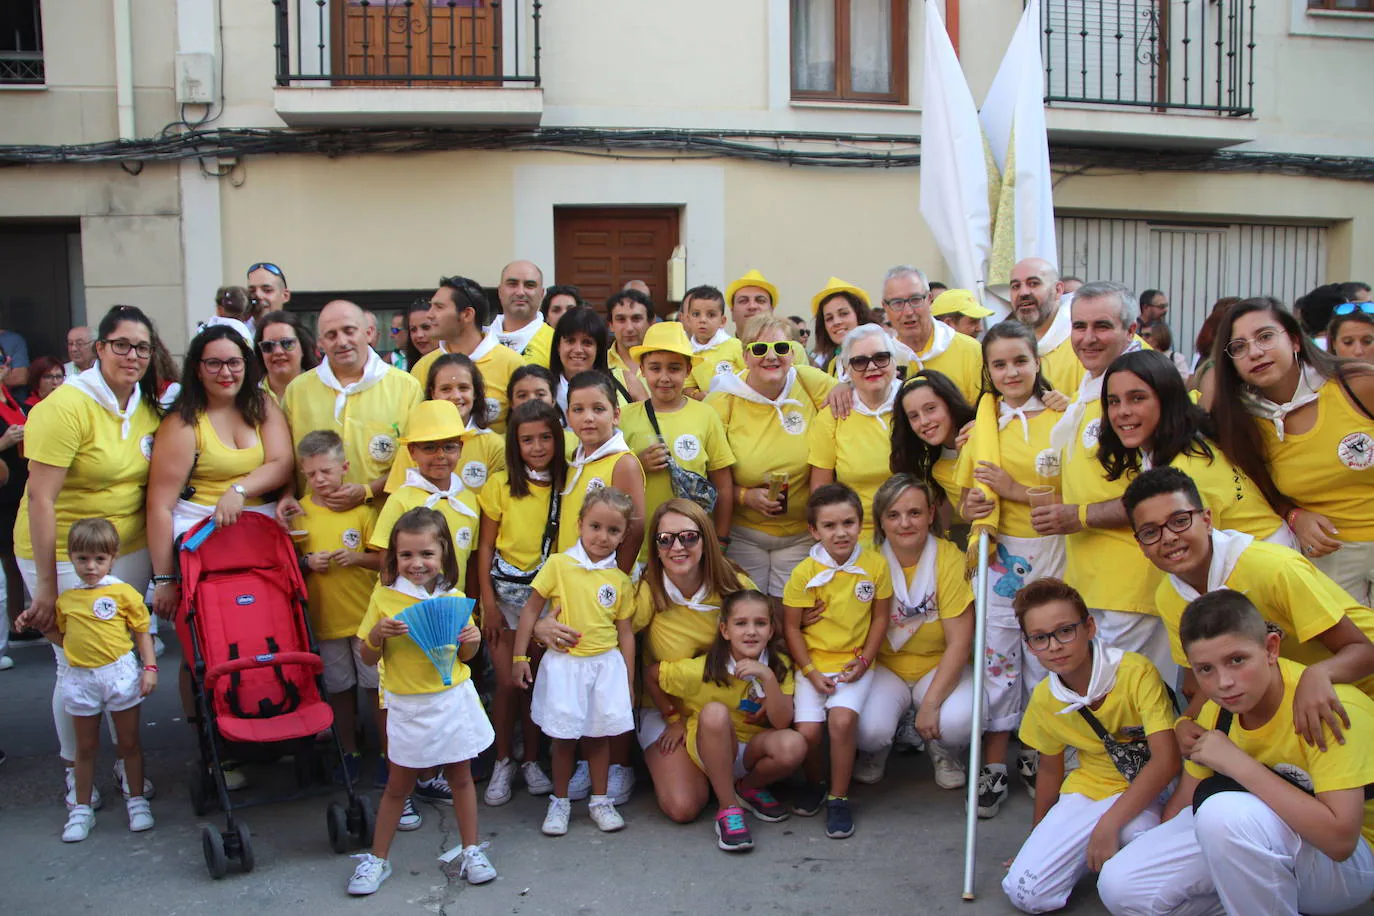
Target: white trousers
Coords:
[[1140, 633], [1054, 857], [890, 697], [1352, 568], [1235, 857]]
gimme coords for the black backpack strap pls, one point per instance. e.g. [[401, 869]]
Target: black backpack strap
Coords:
[[1223, 721], [1353, 396], [1093, 723]]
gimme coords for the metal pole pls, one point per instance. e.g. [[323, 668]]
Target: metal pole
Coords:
[[975, 753]]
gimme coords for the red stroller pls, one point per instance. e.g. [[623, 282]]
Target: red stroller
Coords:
[[256, 676]]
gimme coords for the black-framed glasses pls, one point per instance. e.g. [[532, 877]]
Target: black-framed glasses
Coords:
[[287, 344], [214, 366], [1039, 642], [434, 448], [877, 361], [665, 539], [270, 268], [1350, 308], [1177, 523], [54, 376], [909, 302], [759, 349], [1265, 340], [122, 347]]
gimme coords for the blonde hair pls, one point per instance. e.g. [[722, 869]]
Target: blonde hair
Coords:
[[755, 328], [618, 500]]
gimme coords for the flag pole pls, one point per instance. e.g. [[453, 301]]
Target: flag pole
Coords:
[[980, 641]]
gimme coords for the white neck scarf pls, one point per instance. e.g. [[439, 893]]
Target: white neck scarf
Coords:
[[538, 476], [411, 590], [730, 663], [716, 340], [914, 602], [1310, 382], [695, 603], [1105, 664], [1006, 413], [580, 459], [455, 487], [104, 581], [1227, 546], [822, 556], [92, 384], [1089, 390], [560, 395], [1060, 327], [883, 409], [902, 355], [489, 342], [733, 384], [373, 371], [579, 556], [516, 340], [940, 338]]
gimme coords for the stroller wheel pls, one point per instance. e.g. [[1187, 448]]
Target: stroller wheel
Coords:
[[367, 817], [212, 843], [200, 789], [337, 819], [245, 848]]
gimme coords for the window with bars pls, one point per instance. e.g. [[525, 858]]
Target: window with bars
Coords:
[[1342, 6], [850, 50], [21, 43]]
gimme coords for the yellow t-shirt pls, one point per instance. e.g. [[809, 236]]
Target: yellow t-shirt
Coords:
[[338, 596], [219, 465], [1104, 564], [678, 632], [462, 527], [685, 680], [408, 669], [726, 357], [1023, 459], [107, 473], [857, 449], [594, 476], [370, 424], [521, 522], [1062, 369], [945, 475], [1330, 468], [537, 351], [1235, 501], [695, 437], [484, 453], [1137, 706], [764, 442], [1290, 593], [848, 599], [922, 652], [1276, 744], [962, 361], [588, 600], [497, 365], [96, 623]]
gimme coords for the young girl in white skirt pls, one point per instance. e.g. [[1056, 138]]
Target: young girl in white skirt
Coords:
[[428, 724], [584, 693]]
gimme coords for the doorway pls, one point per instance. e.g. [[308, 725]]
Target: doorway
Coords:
[[417, 43], [600, 249], [41, 263]]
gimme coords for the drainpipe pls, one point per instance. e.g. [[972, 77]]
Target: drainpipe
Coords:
[[952, 23], [124, 68]]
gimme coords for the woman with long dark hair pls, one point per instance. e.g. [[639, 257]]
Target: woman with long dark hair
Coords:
[[421, 336], [924, 443], [285, 349], [838, 309], [581, 342]]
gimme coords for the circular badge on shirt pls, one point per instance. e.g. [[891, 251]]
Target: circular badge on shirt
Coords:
[[145, 445], [794, 423], [686, 447], [381, 448], [493, 409], [724, 367], [1356, 451], [863, 590], [474, 474], [1090, 432], [105, 608], [1047, 463], [596, 483], [352, 538], [463, 538], [605, 595]]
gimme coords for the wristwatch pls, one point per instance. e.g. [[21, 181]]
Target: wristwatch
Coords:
[[238, 488]]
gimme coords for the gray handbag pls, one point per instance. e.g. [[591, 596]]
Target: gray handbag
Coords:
[[687, 484]]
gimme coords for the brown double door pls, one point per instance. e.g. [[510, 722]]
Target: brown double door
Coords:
[[600, 249], [409, 38]]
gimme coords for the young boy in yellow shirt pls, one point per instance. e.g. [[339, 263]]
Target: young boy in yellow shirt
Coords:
[[703, 317], [1262, 821]]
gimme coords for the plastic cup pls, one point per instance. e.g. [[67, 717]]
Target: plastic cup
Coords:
[[1042, 496]]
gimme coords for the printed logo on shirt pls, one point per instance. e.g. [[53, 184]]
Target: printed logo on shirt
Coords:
[[463, 538], [381, 448], [493, 409], [352, 538], [507, 342], [794, 423], [105, 608], [1296, 775], [1047, 463], [863, 590], [596, 483], [724, 367], [1356, 451], [687, 447], [923, 608], [145, 445], [1090, 432], [474, 474], [606, 595]]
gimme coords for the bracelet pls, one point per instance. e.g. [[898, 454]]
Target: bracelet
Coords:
[[1083, 515], [1292, 514], [367, 641], [859, 656], [152, 668], [672, 718], [739, 495], [1182, 719], [807, 669], [162, 580], [521, 658]]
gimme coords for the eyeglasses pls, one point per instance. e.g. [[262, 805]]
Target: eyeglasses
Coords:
[[434, 448], [665, 539], [1265, 340], [54, 376], [877, 361], [1177, 523], [1064, 635], [804, 333], [287, 344], [270, 268], [122, 347], [910, 302], [760, 349], [1350, 308], [214, 366]]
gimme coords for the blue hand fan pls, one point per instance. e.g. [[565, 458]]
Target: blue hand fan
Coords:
[[434, 626]]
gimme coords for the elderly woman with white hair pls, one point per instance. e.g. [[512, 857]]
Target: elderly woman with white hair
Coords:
[[855, 449]]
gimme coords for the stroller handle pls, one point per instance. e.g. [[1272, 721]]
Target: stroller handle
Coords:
[[304, 659]]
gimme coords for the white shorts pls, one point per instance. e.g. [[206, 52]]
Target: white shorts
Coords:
[[768, 559], [810, 705], [434, 729], [344, 667], [91, 691], [582, 696]]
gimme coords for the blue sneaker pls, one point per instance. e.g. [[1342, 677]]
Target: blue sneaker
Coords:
[[839, 820], [379, 778]]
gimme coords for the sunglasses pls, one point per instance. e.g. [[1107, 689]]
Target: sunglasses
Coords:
[[287, 344], [270, 268], [665, 539], [760, 350], [1350, 308], [877, 361]]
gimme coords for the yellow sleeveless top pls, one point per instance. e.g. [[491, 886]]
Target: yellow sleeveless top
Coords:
[[219, 465], [594, 476]]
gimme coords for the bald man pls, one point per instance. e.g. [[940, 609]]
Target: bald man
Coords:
[[1036, 301], [520, 326]]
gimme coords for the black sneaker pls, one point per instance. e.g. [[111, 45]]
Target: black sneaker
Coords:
[[807, 801], [992, 791], [1028, 765], [839, 820]]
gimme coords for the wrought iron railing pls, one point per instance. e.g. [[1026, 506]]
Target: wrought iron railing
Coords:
[[408, 42], [21, 68], [1190, 55]]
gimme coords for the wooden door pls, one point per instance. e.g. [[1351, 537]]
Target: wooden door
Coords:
[[418, 40], [36, 297], [599, 250]]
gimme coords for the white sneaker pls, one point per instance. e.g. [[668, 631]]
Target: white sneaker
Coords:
[[369, 874], [580, 786], [123, 781], [140, 814], [6, 663], [620, 783], [96, 800], [907, 738], [949, 772], [536, 780], [79, 824], [556, 820], [1028, 765], [602, 810], [476, 867], [499, 786], [410, 816], [869, 768]]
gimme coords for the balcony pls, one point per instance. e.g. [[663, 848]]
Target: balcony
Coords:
[[408, 63]]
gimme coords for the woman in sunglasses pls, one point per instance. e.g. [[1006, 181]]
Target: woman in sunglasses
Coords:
[[855, 450], [286, 348], [1351, 332], [768, 410]]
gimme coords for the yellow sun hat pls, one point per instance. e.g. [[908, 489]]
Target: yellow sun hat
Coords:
[[836, 285], [667, 336], [433, 421], [752, 278], [959, 300]]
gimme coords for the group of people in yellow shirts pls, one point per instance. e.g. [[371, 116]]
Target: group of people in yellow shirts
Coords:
[[753, 567]]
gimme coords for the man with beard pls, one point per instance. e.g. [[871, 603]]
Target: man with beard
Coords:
[[1036, 301], [520, 326]]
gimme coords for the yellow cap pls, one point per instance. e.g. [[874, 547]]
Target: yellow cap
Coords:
[[836, 285], [433, 421], [961, 301], [752, 278], [669, 336]]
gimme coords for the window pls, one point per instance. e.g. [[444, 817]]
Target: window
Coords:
[[21, 43], [1345, 6], [850, 50]]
